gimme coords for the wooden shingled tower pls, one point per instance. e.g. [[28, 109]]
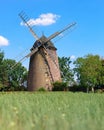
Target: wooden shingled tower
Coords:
[[43, 66]]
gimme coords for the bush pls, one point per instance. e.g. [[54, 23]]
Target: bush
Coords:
[[99, 91], [77, 88], [59, 86], [42, 89], [1, 85]]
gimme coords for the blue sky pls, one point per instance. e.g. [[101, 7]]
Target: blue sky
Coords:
[[86, 38]]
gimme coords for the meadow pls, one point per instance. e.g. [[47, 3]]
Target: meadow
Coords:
[[51, 111]]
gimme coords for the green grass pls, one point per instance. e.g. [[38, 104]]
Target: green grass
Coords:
[[51, 111]]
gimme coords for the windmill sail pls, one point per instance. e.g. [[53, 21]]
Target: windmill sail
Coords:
[[59, 32], [24, 18]]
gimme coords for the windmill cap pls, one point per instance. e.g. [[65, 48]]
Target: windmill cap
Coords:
[[48, 44]]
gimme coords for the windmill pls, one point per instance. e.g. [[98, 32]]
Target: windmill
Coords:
[[43, 66]]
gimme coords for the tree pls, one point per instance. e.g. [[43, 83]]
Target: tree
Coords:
[[66, 72], [11, 78], [88, 71], [101, 75], [16, 76], [2, 77]]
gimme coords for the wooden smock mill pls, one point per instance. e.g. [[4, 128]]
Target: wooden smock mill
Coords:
[[43, 66]]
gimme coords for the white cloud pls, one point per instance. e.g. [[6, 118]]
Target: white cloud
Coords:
[[3, 41], [43, 20]]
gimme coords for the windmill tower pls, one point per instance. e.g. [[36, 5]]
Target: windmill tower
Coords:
[[43, 66]]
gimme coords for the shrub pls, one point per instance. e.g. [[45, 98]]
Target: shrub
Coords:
[[42, 89], [59, 86]]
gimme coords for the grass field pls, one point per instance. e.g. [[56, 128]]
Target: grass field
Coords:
[[51, 111]]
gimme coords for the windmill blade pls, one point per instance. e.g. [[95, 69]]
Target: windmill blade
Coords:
[[25, 57], [24, 19], [43, 53], [32, 52], [49, 55], [59, 32], [21, 60], [52, 59]]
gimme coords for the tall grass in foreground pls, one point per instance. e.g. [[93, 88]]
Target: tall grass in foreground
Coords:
[[51, 111]]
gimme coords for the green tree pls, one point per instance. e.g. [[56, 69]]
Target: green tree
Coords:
[[88, 71], [2, 73], [66, 71], [11, 78], [101, 74], [17, 75]]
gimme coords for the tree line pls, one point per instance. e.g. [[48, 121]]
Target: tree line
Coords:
[[87, 74]]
